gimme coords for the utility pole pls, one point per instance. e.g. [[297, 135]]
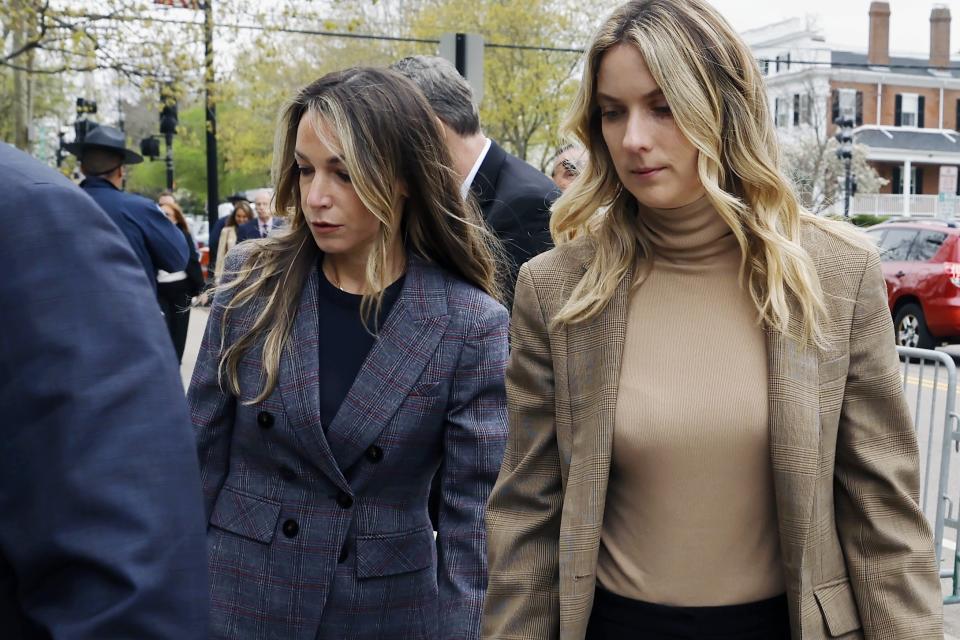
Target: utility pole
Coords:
[[168, 125], [213, 187], [845, 152]]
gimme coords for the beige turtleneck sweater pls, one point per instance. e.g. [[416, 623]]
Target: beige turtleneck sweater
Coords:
[[690, 517]]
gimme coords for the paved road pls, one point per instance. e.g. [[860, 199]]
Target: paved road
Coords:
[[921, 389]]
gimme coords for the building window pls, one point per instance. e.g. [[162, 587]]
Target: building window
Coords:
[[908, 110], [848, 103], [782, 112], [916, 180]]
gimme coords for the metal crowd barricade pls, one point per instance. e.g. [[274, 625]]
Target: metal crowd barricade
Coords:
[[936, 422]]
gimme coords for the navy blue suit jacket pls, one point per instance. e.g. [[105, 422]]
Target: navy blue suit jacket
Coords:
[[515, 200], [101, 518], [157, 243], [251, 230]]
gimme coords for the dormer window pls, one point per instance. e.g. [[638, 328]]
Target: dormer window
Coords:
[[908, 110]]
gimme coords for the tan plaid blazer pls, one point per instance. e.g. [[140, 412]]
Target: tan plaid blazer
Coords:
[[857, 552]]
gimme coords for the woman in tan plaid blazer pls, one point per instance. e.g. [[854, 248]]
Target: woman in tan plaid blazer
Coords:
[[673, 112]]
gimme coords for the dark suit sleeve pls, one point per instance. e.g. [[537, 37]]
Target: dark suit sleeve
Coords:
[[523, 226], [102, 528], [164, 239], [475, 435]]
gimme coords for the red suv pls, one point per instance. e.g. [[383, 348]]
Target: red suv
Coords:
[[921, 265]]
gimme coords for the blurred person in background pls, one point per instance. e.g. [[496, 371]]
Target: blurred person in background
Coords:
[[103, 159], [102, 532], [346, 361], [217, 228], [175, 291], [567, 165], [166, 197], [242, 214], [264, 223], [514, 197]]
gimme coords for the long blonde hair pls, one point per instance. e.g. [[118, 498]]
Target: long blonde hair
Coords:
[[716, 93], [390, 142]]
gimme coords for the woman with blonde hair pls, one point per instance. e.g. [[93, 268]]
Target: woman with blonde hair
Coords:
[[346, 360], [241, 214], [708, 436]]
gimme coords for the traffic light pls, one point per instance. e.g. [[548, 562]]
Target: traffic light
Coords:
[[168, 113], [150, 147], [844, 138], [85, 106], [82, 126]]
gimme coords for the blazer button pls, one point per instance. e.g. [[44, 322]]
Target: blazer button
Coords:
[[287, 474], [344, 554], [344, 500], [374, 453], [265, 419], [291, 528]]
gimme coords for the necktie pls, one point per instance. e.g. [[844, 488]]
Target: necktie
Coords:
[[263, 231]]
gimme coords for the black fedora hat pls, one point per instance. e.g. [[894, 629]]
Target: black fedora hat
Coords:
[[108, 138], [237, 197]]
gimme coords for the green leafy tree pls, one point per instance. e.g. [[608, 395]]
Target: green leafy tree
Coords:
[[526, 91]]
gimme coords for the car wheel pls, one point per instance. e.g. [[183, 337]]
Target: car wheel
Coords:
[[911, 328]]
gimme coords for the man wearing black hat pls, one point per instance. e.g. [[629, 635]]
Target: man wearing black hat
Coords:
[[157, 243]]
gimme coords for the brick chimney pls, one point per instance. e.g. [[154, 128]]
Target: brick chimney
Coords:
[[879, 51], [940, 36]]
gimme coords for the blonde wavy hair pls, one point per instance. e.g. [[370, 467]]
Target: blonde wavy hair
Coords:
[[715, 90], [392, 146]]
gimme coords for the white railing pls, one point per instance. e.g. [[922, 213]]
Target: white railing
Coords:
[[885, 204]]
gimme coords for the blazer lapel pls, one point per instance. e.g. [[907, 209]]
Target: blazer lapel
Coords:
[[593, 377], [794, 423], [406, 343], [299, 383]]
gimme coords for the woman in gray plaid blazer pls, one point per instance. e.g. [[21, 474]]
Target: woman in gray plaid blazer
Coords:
[[346, 361], [708, 435]]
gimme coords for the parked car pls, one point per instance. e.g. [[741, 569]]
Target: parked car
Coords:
[[921, 266]]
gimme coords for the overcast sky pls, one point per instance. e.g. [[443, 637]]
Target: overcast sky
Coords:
[[846, 22]]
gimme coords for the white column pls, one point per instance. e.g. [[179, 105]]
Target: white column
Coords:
[[907, 177]]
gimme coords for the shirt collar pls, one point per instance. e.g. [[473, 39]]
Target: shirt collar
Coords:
[[465, 187]]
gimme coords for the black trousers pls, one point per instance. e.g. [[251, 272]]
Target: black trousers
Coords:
[[174, 298], [617, 618]]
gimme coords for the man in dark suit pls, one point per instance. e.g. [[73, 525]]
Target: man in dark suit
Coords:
[[514, 197], [157, 243], [102, 533], [264, 223]]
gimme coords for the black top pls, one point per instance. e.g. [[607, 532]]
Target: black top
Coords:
[[343, 340]]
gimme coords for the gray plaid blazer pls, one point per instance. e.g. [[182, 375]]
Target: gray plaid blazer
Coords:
[[325, 535], [857, 552]]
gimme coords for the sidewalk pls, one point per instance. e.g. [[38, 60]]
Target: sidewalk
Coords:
[[198, 322]]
